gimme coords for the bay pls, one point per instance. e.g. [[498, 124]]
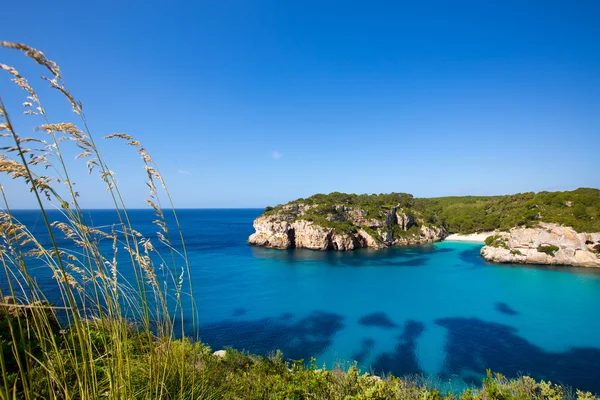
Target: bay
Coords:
[[439, 311]]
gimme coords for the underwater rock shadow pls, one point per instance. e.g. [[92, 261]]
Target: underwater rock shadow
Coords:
[[414, 262], [358, 257], [505, 309], [366, 346], [239, 312], [474, 345], [381, 262], [377, 319], [471, 257], [403, 361], [302, 339]]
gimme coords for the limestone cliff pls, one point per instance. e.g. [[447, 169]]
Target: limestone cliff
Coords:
[[343, 228], [342, 221], [546, 243]]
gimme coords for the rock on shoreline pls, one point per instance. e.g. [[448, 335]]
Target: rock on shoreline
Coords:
[[343, 227], [550, 244], [290, 230]]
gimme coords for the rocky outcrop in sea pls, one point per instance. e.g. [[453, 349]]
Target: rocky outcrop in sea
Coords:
[[345, 228], [545, 243]]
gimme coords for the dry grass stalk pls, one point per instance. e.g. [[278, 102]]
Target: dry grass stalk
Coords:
[[87, 276]]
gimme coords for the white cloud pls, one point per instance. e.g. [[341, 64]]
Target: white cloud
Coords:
[[276, 155], [183, 172]]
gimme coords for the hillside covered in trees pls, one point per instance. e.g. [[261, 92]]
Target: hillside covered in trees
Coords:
[[579, 209]]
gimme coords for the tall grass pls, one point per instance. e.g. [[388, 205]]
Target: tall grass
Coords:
[[106, 337], [56, 354]]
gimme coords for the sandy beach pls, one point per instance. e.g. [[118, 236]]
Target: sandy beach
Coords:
[[473, 237]]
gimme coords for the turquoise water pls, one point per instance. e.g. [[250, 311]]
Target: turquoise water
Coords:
[[439, 310]]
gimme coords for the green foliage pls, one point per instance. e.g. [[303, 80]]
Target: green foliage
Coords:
[[550, 250], [579, 209], [81, 359], [413, 231], [19, 343], [372, 232], [193, 368], [496, 241]]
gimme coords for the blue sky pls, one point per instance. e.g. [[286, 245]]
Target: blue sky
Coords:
[[255, 103]]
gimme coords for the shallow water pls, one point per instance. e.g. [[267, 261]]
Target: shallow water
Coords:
[[439, 310]]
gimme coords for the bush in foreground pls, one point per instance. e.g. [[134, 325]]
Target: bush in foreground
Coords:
[[192, 371]]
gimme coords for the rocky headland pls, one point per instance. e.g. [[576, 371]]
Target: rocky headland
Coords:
[[344, 228], [532, 228], [546, 243]]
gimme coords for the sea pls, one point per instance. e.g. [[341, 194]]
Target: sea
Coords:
[[438, 313]]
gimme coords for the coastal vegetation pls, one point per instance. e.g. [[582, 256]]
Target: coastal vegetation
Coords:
[[109, 338], [82, 345], [495, 241], [550, 250], [234, 375], [578, 208]]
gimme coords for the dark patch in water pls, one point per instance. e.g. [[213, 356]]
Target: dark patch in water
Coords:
[[430, 249], [378, 319], [403, 361], [412, 255], [475, 345], [306, 338], [471, 257], [366, 346], [238, 312], [415, 262], [286, 316], [506, 309]]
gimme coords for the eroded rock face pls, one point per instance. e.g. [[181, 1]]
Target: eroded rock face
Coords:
[[432, 233], [405, 220], [344, 242], [310, 236], [282, 232], [367, 240], [272, 231], [361, 217], [521, 245]]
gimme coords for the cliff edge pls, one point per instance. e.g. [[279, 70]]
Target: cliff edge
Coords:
[[340, 227], [546, 243], [550, 226]]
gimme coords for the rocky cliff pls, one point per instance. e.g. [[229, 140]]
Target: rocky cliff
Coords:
[[546, 243], [340, 227]]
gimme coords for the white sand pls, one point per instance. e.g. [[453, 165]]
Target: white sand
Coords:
[[473, 237]]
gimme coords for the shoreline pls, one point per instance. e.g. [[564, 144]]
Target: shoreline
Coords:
[[472, 237]]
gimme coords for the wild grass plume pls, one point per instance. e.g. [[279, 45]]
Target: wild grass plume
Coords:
[[107, 337], [58, 343]]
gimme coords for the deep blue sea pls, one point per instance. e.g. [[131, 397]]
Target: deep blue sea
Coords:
[[436, 310]]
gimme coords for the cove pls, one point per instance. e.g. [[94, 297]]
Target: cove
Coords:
[[438, 310]]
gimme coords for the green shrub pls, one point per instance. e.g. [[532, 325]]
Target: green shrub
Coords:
[[550, 250], [496, 241], [469, 214]]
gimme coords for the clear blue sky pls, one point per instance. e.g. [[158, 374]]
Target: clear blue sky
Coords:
[[255, 103]]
